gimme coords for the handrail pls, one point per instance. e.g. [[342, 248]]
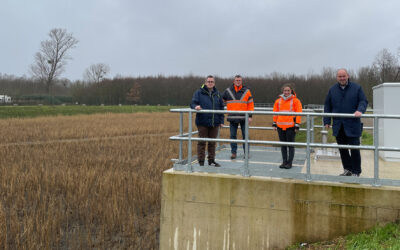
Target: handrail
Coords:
[[376, 181]]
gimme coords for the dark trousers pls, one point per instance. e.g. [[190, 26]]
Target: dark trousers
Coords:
[[351, 159], [206, 132], [287, 135], [233, 127]]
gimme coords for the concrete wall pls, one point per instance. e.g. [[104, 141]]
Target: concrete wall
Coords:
[[214, 211]]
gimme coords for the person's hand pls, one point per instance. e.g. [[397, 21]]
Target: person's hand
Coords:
[[250, 119], [327, 126], [221, 125], [197, 107], [357, 114], [296, 128], [274, 125]]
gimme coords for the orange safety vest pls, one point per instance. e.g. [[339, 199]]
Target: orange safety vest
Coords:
[[241, 103], [292, 104]]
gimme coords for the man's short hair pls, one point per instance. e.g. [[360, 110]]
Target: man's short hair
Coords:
[[209, 76], [238, 76]]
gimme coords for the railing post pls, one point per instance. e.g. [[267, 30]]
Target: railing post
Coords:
[[246, 171], [189, 167], [308, 175], [180, 134], [376, 152], [312, 129]]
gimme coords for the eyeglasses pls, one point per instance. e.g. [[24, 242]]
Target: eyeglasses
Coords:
[[210, 81]]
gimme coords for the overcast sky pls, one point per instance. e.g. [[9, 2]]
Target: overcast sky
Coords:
[[220, 37]]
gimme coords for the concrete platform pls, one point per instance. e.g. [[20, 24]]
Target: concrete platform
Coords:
[[265, 161], [220, 211]]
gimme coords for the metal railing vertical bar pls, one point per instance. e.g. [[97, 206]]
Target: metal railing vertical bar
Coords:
[[376, 152], [308, 151], [246, 171], [180, 134], [189, 167], [312, 129]]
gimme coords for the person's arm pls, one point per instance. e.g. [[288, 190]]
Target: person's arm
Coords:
[[362, 103], [221, 107], [225, 96], [196, 101], [298, 109], [275, 117]]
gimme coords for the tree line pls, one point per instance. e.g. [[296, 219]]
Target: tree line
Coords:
[[45, 85], [178, 90]]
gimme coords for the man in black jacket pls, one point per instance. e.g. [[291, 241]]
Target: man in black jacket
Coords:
[[349, 98], [208, 97]]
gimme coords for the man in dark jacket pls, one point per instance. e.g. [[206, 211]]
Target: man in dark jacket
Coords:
[[208, 97], [346, 97]]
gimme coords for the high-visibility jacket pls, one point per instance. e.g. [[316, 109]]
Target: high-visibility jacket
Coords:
[[238, 98], [287, 104]]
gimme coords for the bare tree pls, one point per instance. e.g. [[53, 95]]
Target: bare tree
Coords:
[[50, 61], [96, 72], [386, 66]]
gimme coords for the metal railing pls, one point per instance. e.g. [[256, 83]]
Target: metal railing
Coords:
[[309, 144]]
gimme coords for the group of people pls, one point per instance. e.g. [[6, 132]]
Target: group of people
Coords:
[[237, 97], [343, 97]]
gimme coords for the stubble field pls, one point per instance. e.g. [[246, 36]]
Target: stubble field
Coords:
[[87, 181]]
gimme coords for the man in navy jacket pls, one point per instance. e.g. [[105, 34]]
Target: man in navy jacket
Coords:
[[349, 98], [208, 97]]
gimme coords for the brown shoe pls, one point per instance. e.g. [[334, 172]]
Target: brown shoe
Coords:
[[233, 156]]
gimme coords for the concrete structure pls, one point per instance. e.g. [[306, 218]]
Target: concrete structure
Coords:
[[385, 98], [214, 211], [209, 210]]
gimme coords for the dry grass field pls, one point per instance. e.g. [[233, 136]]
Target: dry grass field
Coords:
[[87, 181]]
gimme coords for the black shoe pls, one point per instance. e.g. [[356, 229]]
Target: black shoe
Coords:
[[346, 173], [201, 163], [213, 163], [233, 156], [288, 165], [283, 164]]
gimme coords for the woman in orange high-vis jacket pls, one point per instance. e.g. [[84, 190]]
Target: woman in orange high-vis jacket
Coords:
[[286, 125]]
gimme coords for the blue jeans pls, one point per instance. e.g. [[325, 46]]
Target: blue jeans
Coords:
[[233, 126]]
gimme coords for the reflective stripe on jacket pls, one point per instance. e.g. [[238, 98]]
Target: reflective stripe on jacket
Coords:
[[291, 104], [238, 100]]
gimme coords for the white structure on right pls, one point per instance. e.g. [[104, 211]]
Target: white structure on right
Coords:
[[386, 101]]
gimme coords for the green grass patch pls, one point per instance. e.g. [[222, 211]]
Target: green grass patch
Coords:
[[379, 237], [35, 111], [386, 237], [367, 138]]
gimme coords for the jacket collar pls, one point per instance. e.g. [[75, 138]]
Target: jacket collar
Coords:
[[345, 86], [204, 88], [286, 97], [237, 88]]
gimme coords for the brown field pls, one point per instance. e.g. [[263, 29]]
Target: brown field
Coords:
[[88, 181]]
